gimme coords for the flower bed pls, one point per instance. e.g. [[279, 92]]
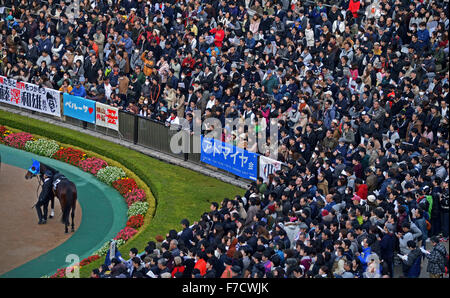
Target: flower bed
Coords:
[[102, 251], [110, 174], [69, 155], [135, 221], [124, 185], [88, 260], [42, 147], [137, 208], [92, 165], [135, 195], [126, 233], [60, 273], [3, 133], [18, 140]]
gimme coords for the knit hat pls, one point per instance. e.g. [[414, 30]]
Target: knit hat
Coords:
[[356, 198], [325, 212]]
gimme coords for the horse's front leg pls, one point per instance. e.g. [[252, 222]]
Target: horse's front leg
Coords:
[[52, 212]]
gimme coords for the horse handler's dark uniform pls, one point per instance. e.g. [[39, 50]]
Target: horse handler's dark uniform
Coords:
[[43, 200]]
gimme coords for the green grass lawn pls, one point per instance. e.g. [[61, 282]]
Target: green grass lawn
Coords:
[[179, 192]]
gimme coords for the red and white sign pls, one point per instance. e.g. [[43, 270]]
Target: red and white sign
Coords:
[[30, 96], [107, 116]]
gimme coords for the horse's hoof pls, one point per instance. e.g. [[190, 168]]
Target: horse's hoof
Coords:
[[73, 230]]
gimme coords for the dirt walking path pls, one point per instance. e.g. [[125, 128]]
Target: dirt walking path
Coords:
[[21, 238]]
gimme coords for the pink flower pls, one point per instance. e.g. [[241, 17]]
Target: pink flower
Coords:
[[126, 233], [18, 140], [135, 195], [92, 165]]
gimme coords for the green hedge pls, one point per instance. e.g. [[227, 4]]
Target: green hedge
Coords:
[[179, 192]]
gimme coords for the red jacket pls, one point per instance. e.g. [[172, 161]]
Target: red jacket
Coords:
[[201, 265], [362, 191], [218, 37], [227, 272], [188, 63], [353, 6], [178, 269]]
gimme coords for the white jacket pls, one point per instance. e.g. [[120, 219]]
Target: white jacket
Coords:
[[309, 34]]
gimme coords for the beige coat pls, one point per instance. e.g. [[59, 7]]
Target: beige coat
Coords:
[[180, 105], [170, 96]]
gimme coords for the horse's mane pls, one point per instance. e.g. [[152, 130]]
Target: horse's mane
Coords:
[[42, 170]]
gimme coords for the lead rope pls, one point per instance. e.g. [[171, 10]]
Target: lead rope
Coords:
[[37, 190]]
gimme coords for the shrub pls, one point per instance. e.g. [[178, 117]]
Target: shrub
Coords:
[[110, 174], [42, 147]]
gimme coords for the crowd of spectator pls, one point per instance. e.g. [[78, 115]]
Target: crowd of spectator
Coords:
[[360, 93]]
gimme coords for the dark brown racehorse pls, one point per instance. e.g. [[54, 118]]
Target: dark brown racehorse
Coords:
[[66, 191]]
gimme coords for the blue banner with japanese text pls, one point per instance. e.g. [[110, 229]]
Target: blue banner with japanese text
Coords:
[[230, 158], [79, 108]]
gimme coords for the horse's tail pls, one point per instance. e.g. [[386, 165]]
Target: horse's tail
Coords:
[[67, 207]]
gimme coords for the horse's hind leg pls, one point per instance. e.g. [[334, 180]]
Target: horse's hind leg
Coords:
[[73, 215], [74, 205]]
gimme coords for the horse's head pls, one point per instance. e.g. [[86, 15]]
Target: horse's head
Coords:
[[33, 170]]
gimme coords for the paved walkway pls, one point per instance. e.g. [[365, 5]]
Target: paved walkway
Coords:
[[21, 236]]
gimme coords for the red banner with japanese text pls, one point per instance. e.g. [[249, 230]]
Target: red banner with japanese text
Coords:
[[107, 116]]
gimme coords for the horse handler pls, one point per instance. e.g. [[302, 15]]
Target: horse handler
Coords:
[[44, 198]]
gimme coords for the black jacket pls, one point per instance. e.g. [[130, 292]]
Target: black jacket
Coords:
[[47, 192], [90, 71]]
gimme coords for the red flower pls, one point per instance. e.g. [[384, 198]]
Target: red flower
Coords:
[[69, 155], [88, 260], [124, 185], [135, 221], [126, 233]]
